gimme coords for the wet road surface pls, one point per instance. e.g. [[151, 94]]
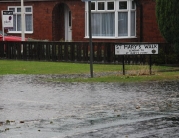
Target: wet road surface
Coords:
[[33, 108]]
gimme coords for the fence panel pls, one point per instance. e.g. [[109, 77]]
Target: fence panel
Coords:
[[103, 52], [2, 49]]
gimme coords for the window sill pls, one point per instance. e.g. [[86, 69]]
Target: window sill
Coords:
[[18, 32], [94, 37]]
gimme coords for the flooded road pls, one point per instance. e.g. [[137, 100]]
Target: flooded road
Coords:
[[33, 108]]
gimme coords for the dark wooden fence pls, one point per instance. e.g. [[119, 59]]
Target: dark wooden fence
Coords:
[[103, 52]]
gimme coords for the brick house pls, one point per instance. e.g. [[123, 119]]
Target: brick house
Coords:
[[67, 20]]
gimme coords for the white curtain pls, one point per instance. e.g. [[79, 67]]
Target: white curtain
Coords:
[[103, 24], [122, 24], [18, 22], [28, 19], [28, 22]]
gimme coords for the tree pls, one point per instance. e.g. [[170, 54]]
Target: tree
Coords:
[[167, 12]]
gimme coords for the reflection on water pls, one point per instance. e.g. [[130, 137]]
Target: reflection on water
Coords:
[[30, 107]]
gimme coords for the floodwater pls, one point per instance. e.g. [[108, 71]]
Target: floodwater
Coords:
[[33, 108]]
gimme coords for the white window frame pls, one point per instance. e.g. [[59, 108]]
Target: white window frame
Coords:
[[116, 10], [19, 13]]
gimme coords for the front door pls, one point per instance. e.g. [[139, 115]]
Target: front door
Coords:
[[68, 24]]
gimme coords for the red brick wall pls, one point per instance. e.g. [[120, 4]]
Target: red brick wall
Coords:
[[150, 31], [44, 21], [78, 20]]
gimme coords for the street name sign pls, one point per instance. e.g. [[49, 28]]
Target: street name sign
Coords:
[[135, 49]]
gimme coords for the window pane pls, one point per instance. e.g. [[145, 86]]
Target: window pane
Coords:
[[133, 5], [28, 21], [103, 24], [133, 23], [12, 9], [92, 5], [110, 5], [69, 18], [18, 9], [123, 5], [122, 24], [100, 5], [18, 23], [28, 9]]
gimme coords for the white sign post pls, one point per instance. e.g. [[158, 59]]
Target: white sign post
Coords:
[[136, 49], [7, 20]]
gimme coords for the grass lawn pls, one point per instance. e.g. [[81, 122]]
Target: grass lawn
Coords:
[[163, 76], [134, 73]]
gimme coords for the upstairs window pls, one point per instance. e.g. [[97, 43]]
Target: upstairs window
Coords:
[[112, 19], [17, 19]]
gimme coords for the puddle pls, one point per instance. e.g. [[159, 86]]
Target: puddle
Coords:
[[31, 107]]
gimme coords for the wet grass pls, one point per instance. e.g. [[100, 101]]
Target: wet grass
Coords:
[[134, 73], [162, 76]]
